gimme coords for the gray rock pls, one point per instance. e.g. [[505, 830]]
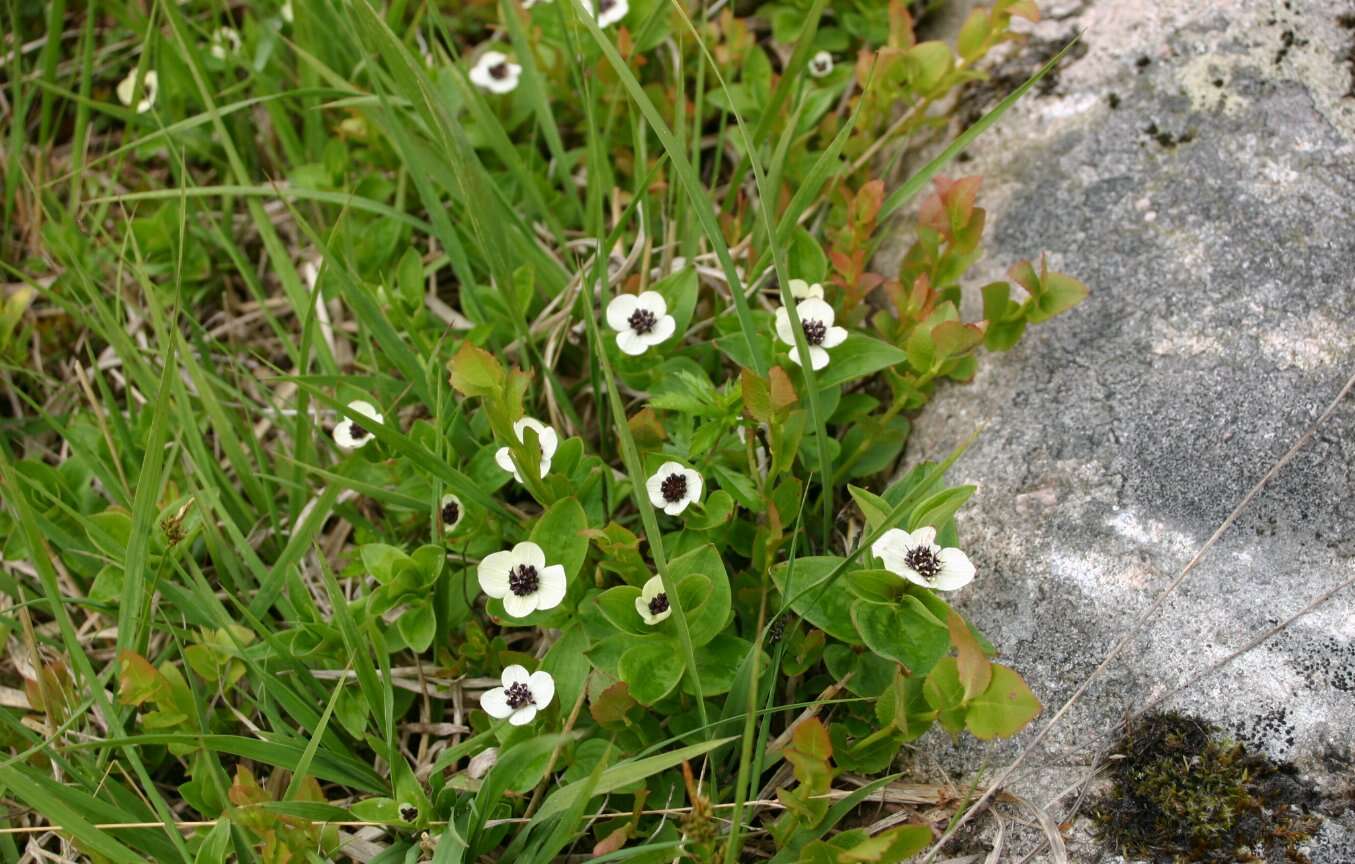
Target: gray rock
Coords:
[[1210, 212]]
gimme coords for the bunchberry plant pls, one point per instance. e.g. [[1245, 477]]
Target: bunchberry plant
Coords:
[[478, 431]]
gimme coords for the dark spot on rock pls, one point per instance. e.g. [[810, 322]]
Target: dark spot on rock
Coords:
[[978, 96], [1181, 791], [1288, 41], [1218, 82], [1113, 100], [1168, 140], [1143, 62]]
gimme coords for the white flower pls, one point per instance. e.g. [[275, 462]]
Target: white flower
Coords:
[[821, 64], [640, 321], [816, 317], [349, 435], [527, 4], [608, 12], [150, 86], [802, 290], [520, 697], [917, 558], [287, 11], [452, 511], [545, 436], [520, 577], [495, 73], [673, 487], [225, 41], [652, 604]]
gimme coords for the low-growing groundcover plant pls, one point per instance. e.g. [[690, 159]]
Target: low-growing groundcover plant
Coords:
[[475, 431]]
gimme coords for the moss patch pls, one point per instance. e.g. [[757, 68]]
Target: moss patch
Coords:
[[1183, 792]]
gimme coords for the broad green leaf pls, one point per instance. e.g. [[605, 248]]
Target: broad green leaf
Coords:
[[945, 694], [560, 533], [830, 610], [1004, 708], [651, 670], [858, 357], [709, 615], [902, 631]]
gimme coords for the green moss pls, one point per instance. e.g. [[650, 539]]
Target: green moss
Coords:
[[1182, 792]]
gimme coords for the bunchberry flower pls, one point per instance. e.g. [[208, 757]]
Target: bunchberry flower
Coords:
[[495, 72], [351, 435], [802, 290], [821, 65], [225, 42], [607, 12], [520, 577], [452, 511], [816, 317], [520, 697], [917, 558], [545, 437], [150, 86], [673, 487], [652, 604], [639, 321], [286, 11]]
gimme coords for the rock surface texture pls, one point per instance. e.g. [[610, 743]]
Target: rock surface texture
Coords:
[[1195, 166]]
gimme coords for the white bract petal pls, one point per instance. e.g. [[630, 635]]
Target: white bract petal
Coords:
[[916, 557], [546, 439], [225, 42], [451, 511], [520, 697], [150, 86], [521, 578], [495, 72], [652, 604], [816, 318], [607, 12], [640, 321], [349, 435], [286, 11], [673, 487], [821, 64], [802, 290]]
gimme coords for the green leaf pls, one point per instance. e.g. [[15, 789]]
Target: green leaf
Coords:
[[651, 670], [560, 533], [805, 257], [972, 666], [382, 561], [858, 357], [902, 631], [1060, 293], [567, 662], [945, 694], [215, 844], [625, 774], [873, 507], [939, 508], [1004, 708], [617, 605], [417, 625], [709, 616], [829, 610]]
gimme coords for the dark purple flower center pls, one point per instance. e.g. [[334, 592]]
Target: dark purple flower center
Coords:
[[924, 560], [659, 604], [409, 812], [451, 511], [642, 321], [522, 580], [499, 71], [605, 6], [519, 694], [815, 331], [673, 489], [358, 432]]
